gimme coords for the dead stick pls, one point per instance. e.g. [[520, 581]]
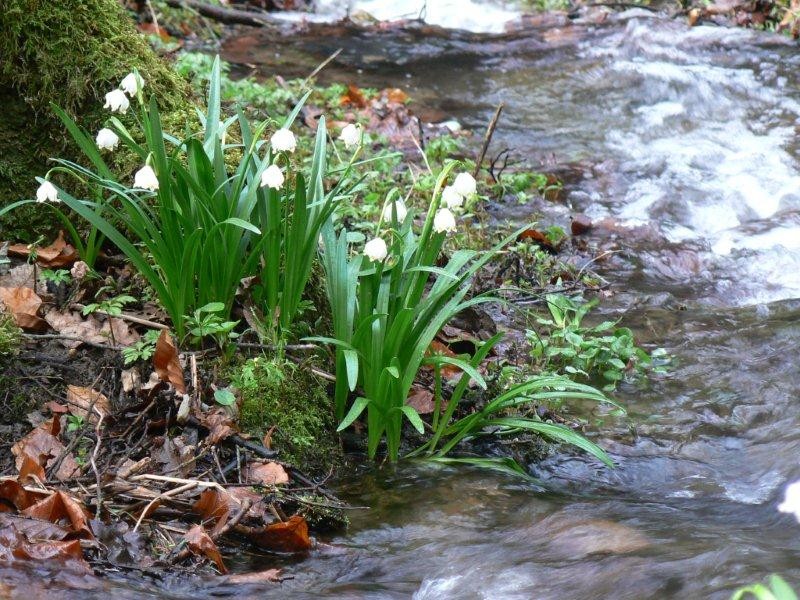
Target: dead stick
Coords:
[[225, 15], [487, 139], [125, 317]]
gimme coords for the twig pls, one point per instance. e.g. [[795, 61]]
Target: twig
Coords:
[[321, 66], [173, 492], [93, 461], [225, 15], [125, 317], [487, 139], [70, 338]]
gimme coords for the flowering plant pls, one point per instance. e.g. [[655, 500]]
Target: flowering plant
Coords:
[[192, 225]]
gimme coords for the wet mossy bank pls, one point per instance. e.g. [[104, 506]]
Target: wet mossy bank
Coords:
[[69, 53]]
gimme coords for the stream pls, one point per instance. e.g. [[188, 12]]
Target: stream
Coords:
[[687, 136]]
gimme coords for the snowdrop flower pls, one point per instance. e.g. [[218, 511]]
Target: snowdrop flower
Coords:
[[444, 221], [47, 191], [791, 502], [106, 139], [272, 177], [283, 141], [146, 179], [117, 101], [351, 135], [451, 197], [132, 84], [376, 249], [465, 184], [399, 207]]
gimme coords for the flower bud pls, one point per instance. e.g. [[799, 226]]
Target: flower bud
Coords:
[[145, 178], [283, 141], [375, 249], [444, 221], [47, 192], [107, 139], [117, 101], [272, 177]]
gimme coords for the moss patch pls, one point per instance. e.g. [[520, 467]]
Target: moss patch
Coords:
[[68, 52], [295, 402], [10, 337]]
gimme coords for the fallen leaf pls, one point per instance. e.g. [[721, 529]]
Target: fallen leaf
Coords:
[[395, 95], [20, 276], [61, 509], [34, 529], [31, 467], [448, 371], [219, 423], [166, 363], [287, 536], [266, 473], [201, 544], [270, 575], [12, 493], [118, 332], [14, 545], [57, 254], [354, 96], [71, 324], [214, 505], [421, 400], [131, 380], [23, 304], [80, 399], [539, 238], [42, 446]]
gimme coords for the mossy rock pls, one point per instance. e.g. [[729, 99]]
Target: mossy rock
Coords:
[[70, 53], [296, 403]]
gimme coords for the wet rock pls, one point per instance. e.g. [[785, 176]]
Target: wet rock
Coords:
[[573, 537], [580, 224]]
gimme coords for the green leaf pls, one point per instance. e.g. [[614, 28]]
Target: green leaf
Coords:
[[351, 361], [224, 397], [413, 417], [358, 407]]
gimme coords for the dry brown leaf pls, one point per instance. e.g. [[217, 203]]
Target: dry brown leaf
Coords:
[[71, 324], [395, 95], [201, 544], [270, 575], [354, 97], [20, 276], [131, 380], [14, 545], [57, 254], [64, 510], [219, 423], [123, 335], [266, 473], [31, 467], [34, 529], [13, 493], [166, 363], [288, 536], [23, 304], [214, 505], [42, 446], [421, 400], [80, 399], [448, 371]]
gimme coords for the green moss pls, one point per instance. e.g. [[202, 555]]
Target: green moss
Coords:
[[67, 52], [10, 336], [294, 401]]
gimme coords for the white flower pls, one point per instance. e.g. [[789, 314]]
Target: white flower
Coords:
[[451, 197], [791, 502], [375, 249], [465, 184], [146, 179], [132, 84], [351, 135], [399, 206], [106, 139], [47, 191], [272, 177], [444, 221], [117, 101], [283, 141]]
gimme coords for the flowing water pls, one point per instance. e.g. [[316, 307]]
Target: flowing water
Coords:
[[689, 135]]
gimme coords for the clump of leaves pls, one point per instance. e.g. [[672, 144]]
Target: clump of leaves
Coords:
[[142, 349], [604, 351]]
